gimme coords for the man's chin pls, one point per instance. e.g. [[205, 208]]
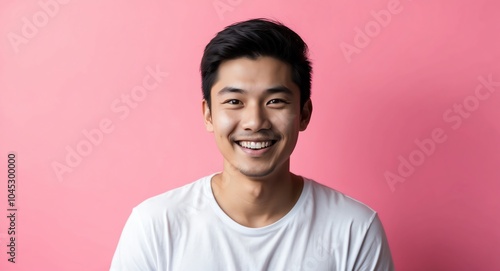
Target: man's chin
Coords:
[[256, 173]]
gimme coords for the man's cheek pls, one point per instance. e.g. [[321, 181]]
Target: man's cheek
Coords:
[[285, 121], [225, 122]]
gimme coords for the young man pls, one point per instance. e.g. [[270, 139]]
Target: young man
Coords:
[[255, 214]]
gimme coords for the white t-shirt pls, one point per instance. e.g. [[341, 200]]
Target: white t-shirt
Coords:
[[184, 229]]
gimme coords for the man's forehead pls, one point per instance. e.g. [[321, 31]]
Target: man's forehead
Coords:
[[261, 67], [264, 74]]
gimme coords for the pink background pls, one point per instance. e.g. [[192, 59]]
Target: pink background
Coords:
[[65, 76]]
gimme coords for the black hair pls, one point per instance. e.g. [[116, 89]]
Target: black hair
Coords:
[[254, 38]]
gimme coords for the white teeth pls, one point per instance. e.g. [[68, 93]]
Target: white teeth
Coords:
[[255, 145]]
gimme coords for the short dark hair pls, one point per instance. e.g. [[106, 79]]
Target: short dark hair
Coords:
[[254, 38]]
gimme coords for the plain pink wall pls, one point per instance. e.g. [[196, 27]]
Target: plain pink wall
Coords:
[[380, 84]]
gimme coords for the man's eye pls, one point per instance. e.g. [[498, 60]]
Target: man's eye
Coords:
[[232, 101], [276, 101]]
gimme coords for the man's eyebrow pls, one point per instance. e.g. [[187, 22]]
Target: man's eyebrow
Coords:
[[272, 90], [226, 90], [279, 89]]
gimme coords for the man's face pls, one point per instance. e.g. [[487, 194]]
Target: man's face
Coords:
[[255, 115]]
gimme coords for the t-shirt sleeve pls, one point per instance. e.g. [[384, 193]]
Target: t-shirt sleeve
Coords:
[[374, 254], [136, 248]]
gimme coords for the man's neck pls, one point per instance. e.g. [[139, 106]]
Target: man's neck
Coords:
[[256, 202]]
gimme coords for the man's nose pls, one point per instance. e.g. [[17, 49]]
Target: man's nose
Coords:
[[255, 118]]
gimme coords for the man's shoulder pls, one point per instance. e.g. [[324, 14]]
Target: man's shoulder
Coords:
[[337, 204], [185, 195]]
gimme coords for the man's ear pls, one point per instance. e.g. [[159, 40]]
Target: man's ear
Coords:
[[305, 115], [207, 116]]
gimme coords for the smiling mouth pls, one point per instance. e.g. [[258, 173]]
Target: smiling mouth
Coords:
[[256, 145]]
